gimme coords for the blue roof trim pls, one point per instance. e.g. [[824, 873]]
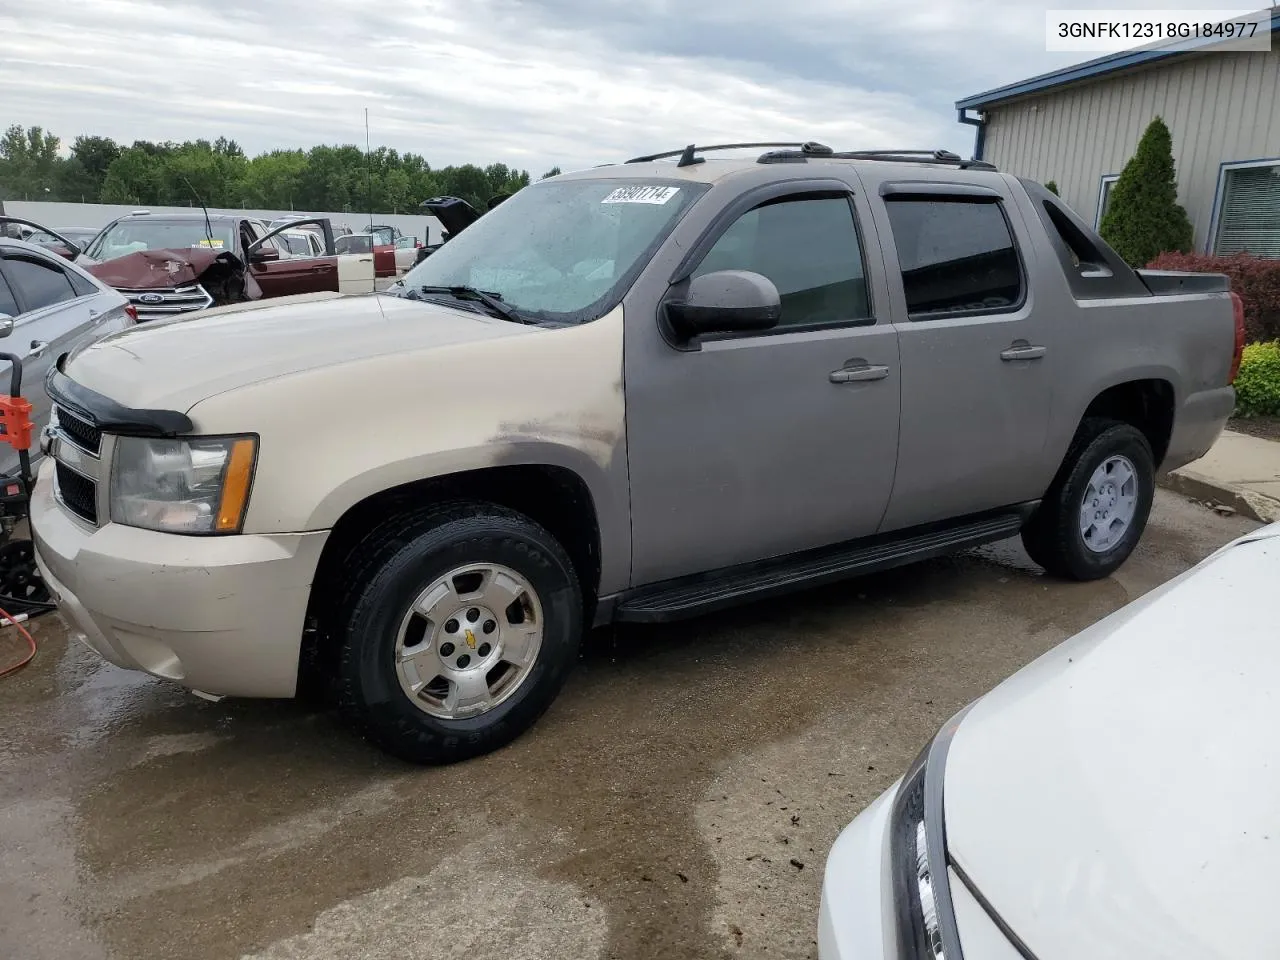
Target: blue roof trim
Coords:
[[1084, 71]]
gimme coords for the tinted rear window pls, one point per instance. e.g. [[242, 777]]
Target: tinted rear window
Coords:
[[956, 257], [39, 284], [8, 306]]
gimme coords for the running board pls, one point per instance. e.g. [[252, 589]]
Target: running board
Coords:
[[703, 593]]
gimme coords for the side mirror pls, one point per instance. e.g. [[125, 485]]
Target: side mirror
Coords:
[[264, 254], [727, 301], [6, 324]]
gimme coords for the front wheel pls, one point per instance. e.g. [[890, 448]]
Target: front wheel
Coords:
[[1096, 509], [461, 625]]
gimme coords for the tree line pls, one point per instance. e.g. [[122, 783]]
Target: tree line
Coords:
[[324, 178]]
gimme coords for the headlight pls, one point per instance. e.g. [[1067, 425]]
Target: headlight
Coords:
[[195, 485], [921, 888]]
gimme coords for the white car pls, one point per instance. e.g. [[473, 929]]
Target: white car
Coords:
[[48, 308], [303, 243], [1117, 798]]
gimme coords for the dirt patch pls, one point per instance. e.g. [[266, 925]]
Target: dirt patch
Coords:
[[1265, 428]]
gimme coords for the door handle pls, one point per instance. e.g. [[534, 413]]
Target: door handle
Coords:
[[1023, 351], [858, 374], [38, 347]]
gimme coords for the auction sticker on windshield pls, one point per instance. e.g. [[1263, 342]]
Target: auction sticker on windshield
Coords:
[[641, 195]]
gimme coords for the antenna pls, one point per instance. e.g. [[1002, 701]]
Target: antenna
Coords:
[[208, 227], [368, 170]]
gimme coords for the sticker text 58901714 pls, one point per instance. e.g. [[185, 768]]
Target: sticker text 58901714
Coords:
[[641, 194]]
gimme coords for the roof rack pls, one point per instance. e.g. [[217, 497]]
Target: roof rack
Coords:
[[944, 157], [801, 152], [688, 158]]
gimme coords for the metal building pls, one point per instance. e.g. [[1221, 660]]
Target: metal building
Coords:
[[1080, 125]]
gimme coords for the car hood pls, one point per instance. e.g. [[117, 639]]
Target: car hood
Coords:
[[1120, 796], [174, 364], [147, 269]]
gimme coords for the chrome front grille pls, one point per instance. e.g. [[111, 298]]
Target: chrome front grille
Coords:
[[167, 302]]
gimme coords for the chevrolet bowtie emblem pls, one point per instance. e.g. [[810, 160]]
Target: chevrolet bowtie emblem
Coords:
[[471, 640]]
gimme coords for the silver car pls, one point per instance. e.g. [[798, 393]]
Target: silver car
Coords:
[[48, 307]]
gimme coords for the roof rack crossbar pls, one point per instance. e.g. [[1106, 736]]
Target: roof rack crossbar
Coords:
[[941, 157], [792, 151], [691, 149]]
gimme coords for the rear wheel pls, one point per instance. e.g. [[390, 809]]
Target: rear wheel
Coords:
[[460, 625], [1094, 513]]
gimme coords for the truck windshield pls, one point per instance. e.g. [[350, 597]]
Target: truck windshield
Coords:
[[131, 236], [563, 252]]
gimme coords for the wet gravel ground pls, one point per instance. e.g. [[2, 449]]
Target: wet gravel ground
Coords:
[[677, 801]]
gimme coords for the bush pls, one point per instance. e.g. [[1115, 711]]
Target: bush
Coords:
[[1052, 187], [1258, 382], [1256, 280], [1144, 218]]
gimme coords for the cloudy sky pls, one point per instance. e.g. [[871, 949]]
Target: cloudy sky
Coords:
[[531, 83]]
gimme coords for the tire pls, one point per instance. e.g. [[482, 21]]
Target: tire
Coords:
[[390, 571], [1054, 537]]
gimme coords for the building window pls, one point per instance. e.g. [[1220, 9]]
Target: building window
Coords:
[[1248, 214], [1104, 197]]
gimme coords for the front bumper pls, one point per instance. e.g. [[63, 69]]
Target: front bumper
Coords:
[[223, 615], [856, 918], [857, 921]]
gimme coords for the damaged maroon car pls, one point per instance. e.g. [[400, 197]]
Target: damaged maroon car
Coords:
[[170, 264]]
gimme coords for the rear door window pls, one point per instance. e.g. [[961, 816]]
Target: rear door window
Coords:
[[8, 305], [38, 283], [83, 286], [957, 257]]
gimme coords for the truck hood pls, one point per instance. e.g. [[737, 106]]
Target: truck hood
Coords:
[[174, 364], [1120, 796]]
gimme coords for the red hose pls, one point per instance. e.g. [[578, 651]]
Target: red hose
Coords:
[[30, 640]]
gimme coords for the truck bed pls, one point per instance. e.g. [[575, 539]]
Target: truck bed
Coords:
[[1170, 282]]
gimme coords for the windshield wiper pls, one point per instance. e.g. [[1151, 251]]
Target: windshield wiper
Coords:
[[491, 300]]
